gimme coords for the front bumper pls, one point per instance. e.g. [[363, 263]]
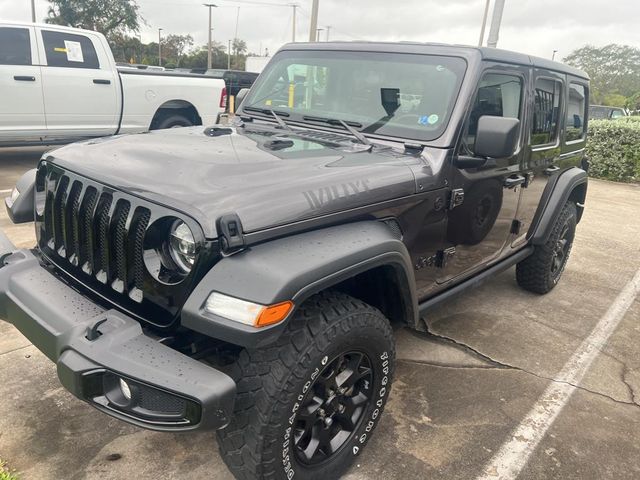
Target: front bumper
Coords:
[[96, 350]]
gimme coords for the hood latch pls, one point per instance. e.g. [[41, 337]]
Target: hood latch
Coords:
[[230, 229]]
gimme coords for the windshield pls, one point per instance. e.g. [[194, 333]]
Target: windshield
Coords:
[[392, 94]]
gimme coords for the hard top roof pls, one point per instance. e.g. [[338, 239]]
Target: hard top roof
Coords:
[[485, 53]]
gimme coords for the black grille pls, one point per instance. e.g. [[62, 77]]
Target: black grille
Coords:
[[100, 237], [91, 230]]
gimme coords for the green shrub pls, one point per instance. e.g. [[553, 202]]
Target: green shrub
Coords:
[[613, 149]]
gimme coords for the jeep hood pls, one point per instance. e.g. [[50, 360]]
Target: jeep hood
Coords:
[[207, 173]]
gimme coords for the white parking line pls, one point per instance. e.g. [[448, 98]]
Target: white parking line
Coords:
[[512, 457], [6, 191]]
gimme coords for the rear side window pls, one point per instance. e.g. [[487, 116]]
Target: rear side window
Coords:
[[546, 111], [69, 50], [15, 46], [576, 112]]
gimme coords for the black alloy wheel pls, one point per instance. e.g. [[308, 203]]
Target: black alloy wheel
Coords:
[[333, 408]]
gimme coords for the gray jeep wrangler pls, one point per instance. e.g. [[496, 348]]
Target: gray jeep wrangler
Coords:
[[247, 278]]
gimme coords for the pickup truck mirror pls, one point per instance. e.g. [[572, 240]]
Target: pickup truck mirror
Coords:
[[240, 96], [496, 137]]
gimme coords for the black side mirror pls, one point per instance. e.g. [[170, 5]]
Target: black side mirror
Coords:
[[496, 137], [240, 96]]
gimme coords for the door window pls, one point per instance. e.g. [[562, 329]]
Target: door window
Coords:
[[576, 112], [15, 46], [498, 95], [69, 50], [546, 111]]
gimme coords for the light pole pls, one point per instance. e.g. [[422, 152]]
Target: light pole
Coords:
[[294, 6], [314, 21], [553, 57], [33, 11], [229, 56], [496, 20], [328, 31], [209, 6], [318, 30], [484, 23], [159, 47]]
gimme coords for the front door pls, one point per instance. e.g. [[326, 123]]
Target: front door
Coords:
[[22, 116], [481, 226]]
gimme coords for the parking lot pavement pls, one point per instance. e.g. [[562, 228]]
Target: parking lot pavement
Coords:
[[459, 392]]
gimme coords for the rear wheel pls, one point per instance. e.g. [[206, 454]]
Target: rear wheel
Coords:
[[307, 405], [173, 121], [541, 271]]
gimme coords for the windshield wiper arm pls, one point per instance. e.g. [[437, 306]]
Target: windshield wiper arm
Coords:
[[276, 115], [346, 125]]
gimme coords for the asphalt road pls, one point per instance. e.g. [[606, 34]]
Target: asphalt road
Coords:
[[459, 398]]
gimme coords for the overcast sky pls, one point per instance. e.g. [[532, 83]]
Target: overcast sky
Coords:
[[531, 26]]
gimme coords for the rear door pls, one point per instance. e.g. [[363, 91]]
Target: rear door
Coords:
[[22, 116], [543, 157], [80, 85]]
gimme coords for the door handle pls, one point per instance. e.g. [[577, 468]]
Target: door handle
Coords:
[[514, 181], [551, 170], [24, 78], [101, 81]]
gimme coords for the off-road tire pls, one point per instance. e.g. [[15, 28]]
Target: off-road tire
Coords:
[[173, 121], [259, 443], [536, 273]]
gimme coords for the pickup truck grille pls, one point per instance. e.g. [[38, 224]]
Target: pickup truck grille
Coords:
[[96, 234]]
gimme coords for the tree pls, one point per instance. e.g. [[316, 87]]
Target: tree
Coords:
[[109, 17], [614, 69], [175, 46]]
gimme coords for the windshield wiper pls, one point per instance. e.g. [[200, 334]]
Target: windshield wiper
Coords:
[[346, 125], [276, 115]]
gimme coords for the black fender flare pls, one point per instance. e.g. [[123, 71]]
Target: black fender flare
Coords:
[[22, 210], [294, 268], [558, 191]]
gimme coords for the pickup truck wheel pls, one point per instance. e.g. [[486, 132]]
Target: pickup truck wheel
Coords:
[[173, 121], [541, 271], [307, 405]]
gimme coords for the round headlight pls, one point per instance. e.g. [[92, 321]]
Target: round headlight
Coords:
[[182, 246]]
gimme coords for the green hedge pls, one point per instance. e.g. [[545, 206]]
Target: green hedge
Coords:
[[613, 149]]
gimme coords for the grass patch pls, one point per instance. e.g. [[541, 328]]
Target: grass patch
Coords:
[[5, 473]]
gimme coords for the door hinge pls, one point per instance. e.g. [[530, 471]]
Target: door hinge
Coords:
[[231, 235], [443, 256], [516, 225], [456, 198], [529, 176]]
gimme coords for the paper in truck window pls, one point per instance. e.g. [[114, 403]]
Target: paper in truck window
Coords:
[[74, 51]]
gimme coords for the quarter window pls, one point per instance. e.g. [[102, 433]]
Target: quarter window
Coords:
[[68, 50], [576, 112], [15, 46], [546, 111]]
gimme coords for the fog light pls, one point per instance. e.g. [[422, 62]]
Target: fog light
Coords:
[[126, 390]]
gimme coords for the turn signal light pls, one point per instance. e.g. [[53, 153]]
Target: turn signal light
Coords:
[[248, 313]]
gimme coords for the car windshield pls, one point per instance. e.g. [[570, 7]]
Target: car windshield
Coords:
[[392, 94]]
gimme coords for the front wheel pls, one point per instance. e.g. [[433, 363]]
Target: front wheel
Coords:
[[307, 405]]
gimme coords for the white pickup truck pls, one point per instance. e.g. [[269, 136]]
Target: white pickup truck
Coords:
[[60, 84]]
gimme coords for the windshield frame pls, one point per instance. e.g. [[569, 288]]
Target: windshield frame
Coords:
[[297, 118]]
